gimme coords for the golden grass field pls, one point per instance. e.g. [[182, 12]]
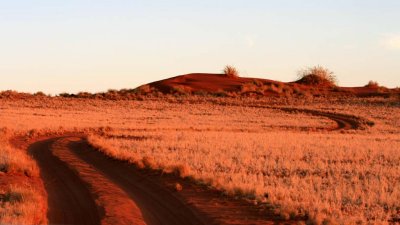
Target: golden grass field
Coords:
[[292, 160], [20, 200]]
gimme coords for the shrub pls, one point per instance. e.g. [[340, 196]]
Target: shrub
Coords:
[[317, 75], [231, 71], [14, 95], [84, 95], [66, 95], [372, 84], [39, 93]]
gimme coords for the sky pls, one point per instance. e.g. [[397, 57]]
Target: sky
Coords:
[[94, 45]]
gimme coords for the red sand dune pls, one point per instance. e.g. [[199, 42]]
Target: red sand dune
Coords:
[[214, 83], [206, 82]]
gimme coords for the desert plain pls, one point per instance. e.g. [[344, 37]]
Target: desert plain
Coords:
[[202, 149]]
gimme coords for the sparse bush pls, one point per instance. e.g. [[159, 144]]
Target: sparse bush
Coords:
[[84, 95], [231, 71], [317, 75], [372, 84], [14, 95], [39, 93], [66, 95]]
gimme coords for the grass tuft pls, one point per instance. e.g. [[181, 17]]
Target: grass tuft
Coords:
[[372, 84], [15, 160], [231, 71], [317, 75], [22, 205]]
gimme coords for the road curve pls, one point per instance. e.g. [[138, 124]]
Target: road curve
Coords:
[[343, 121], [86, 187]]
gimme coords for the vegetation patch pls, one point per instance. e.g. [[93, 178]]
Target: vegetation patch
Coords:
[[21, 204], [231, 71], [317, 76]]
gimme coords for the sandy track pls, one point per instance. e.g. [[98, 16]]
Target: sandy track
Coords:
[[102, 191], [113, 204], [86, 187], [343, 121], [82, 193], [158, 205], [69, 200]]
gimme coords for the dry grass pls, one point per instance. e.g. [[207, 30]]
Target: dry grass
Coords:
[[231, 71], [21, 204], [372, 84], [317, 75], [14, 160], [345, 177], [320, 174], [20, 200]]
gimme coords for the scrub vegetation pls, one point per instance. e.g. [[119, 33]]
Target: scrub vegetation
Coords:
[[302, 163]]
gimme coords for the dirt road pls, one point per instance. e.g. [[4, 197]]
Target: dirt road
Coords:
[[69, 202], [343, 121], [86, 187]]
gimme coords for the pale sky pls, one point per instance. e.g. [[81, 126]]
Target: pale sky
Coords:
[[94, 45]]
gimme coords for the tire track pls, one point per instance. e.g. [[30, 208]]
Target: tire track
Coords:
[[69, 200], [343, 121], [83, 193], [86, 187], [115, 205]]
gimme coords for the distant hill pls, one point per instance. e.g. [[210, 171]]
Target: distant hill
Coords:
[[220, 84]]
